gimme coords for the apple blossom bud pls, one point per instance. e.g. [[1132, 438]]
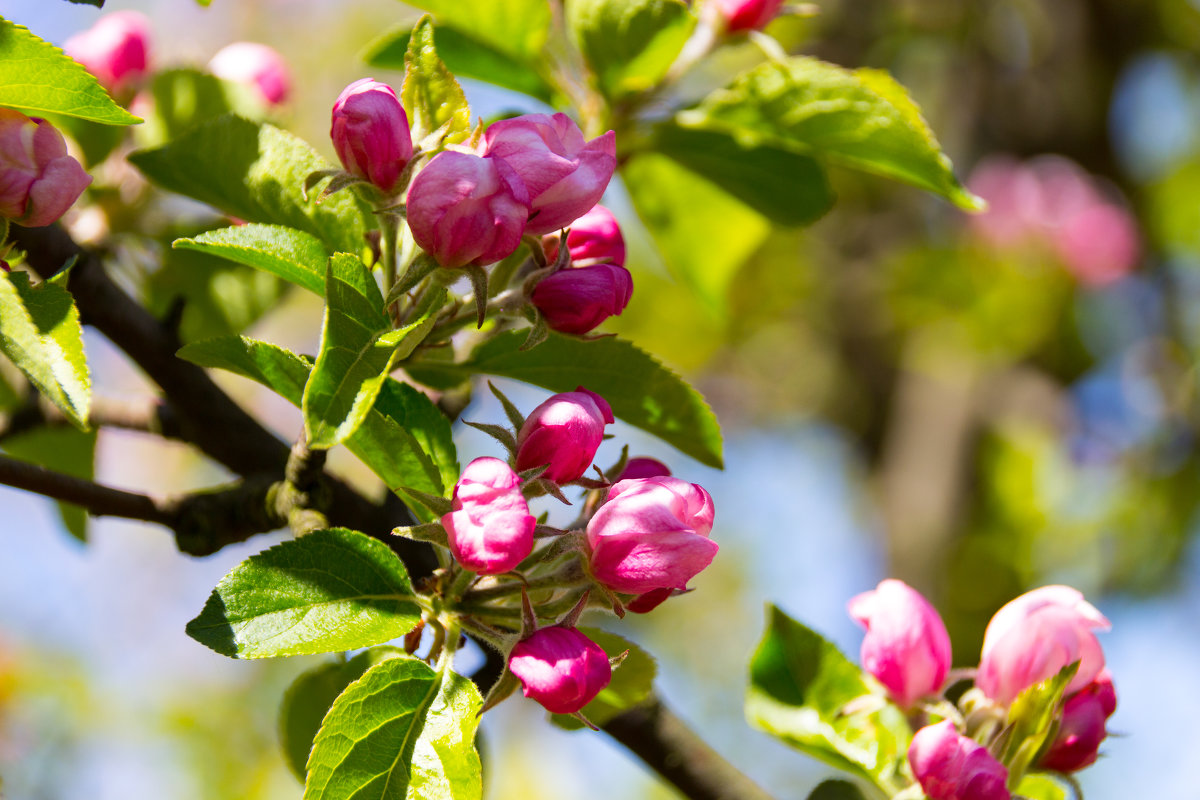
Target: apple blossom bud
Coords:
[[560, 668], [370, 133], [489, 527], [651, 533], [256, 65], [38, 180], [907, 647], [1082, 727], [643, 467], [564, 432], [1034, 636], [463, 209], [578, 299], [746, 15], [950, 766], [564, 174], [646, 602], [116, 49], [595, 238]]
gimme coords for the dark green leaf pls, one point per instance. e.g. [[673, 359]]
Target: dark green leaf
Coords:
[[517, 28], [327, 591], [629, 44], [640, 390], [631, 684], [255, 172], [863, 120], [430, 94], [401, 731], [38, 78], [184, 98], [293, 255], [799, 685], [465, 57], [66, 450], [309, 697], [836, 790], [40, 333]]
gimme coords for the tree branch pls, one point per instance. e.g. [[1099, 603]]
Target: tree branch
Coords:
[[102, 501]]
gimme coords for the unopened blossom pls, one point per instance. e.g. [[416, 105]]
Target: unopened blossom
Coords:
[[256, 65], [116, 49], [38, 180], [564, 432], [594, 238], [370, 133], [746, 15], [950, 766], [576, 300], [489, 527], [643, 467], [1082, 727], [560, 668]]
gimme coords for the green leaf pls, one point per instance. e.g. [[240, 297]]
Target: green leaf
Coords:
[[293, 255], [836, 790], [640, 390], [255, 172], [516, 28], [66, 450], [430, 94], [703, 234], [629, 44], [96, 3], [401, 731], [308, 699], [863, 120], [632, 682], [799, 685], [358, 350], [465, 57], [1033, 720], [327, 591], [184, 98], [38, 78], [405, 439], [40, 333], [1040, 786]]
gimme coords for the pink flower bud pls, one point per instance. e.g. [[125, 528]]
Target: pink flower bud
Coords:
[[596, 238], [646, 602], [643, 467], [256, 65], [489, 528], [1034, 636], [116, 49], [907, 647], [578, 299], [370, 133], [1082, 726], [38, 180], [564, 432], [652, 533], [565, 174], [949, 766], [745, 15], [560, 668], [464, 209], [1099, 245]]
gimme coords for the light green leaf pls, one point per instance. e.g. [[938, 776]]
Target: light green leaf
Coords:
[[255, 172], [836, 790], [465, 57], [327, 591], [40, 333], [799, 685], [640, 390], [38, 78], [1033, 721], [405, 439], [62, 449], [629, 44], [401, 732], [1040, 786], [632, 682], [863, 120], [517, 28], [307, 701], [358, 350], [293, 255], [184, 98], [430, 94]]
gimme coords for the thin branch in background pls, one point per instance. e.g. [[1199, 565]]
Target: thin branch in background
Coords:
[[99, 500]]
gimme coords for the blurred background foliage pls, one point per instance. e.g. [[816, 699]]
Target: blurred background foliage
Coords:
[[977, 405]]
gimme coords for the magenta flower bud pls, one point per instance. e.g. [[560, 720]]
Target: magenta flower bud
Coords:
[[560, 668], [643, 467], [564, 432], [370, 133], [116, 49], [565, 174], [907, 647], [747, 15], [1034, 636], [596, 238], [463, 209], [949, 766], [489, 527], [38, 180], [652, 533], [256, 65], [646, 602], [1082, 727], [577, 299]]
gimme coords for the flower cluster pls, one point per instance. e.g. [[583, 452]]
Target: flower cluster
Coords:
[[1028, 641]]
